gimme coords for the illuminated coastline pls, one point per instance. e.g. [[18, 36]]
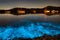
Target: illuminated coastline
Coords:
[[49, 10]]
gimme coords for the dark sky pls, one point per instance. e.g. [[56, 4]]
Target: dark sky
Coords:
[[6, 4]]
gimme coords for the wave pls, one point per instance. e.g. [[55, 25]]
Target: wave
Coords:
[[29, 30]]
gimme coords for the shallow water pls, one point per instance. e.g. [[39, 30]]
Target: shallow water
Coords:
[[28, 26]]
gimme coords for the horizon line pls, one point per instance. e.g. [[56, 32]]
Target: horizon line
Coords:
[[26, 7]]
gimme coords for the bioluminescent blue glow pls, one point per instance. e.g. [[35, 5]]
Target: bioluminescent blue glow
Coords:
[[30, 30]]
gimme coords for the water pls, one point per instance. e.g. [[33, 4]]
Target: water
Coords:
[[28, 26]]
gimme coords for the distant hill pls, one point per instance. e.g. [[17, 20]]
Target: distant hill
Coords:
[[22, 11]]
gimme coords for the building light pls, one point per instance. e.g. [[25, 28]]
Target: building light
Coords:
[[7, 12], [53, 11], [34, 11], [21, 11], [57, 11], [47, 11]]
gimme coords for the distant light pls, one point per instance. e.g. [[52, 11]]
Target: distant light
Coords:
[[7, 12], [21, 11], [34, 11], [47, 11], [57, 11], [53, 11]]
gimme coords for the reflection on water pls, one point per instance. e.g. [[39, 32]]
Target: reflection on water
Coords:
[[9, 18], [28, 26]]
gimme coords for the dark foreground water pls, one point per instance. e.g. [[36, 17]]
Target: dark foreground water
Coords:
[[28, 26]]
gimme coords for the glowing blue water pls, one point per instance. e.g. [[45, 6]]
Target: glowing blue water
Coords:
[[30, 30]]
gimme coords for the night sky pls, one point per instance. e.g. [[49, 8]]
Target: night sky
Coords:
[[7, 4]]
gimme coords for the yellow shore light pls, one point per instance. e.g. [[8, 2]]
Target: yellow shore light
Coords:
[[47, 11]]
